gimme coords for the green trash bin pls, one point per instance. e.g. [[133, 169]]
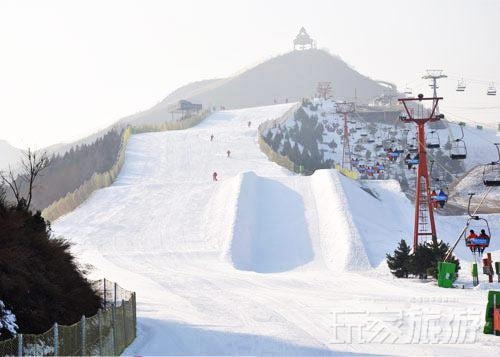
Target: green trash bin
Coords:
[[446, 274]]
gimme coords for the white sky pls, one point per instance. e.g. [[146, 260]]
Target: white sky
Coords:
[[69, 68]]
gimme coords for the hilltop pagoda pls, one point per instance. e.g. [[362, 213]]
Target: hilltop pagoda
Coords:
[[303, 41]]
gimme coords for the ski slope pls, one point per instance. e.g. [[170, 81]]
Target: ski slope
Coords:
[[261, 262]]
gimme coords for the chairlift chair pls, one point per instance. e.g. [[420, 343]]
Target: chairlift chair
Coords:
[[491, 174], [491, 171], [412, 149], [477, 244], [433, 141], [491, 89], [458, 149], [461, 86]]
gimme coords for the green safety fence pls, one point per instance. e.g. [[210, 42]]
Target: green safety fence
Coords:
[[108, 333]]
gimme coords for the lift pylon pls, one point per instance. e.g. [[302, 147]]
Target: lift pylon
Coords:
[[424, 216], [344, 109], [324, 89]]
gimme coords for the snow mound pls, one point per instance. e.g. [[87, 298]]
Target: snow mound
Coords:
[[342, 245], [270, 230]]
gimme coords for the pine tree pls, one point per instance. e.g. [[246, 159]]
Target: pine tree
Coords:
[[421, 261], [399, 263], [295, 154], [287, 148], [427, 256]]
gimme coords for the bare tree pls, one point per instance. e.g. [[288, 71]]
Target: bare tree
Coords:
[[32, 165], [8, 179]]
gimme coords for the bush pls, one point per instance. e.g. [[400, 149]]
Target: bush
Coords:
[[40, 281]]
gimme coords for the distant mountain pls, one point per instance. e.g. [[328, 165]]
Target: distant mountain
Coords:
[[9, 155], [291, 76]]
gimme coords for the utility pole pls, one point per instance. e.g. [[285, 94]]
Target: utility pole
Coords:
[[434, 75], [344, 109], [424, 224]]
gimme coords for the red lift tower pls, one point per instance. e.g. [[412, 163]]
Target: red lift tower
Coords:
[[344, 109], [324, 89], [424, 215]]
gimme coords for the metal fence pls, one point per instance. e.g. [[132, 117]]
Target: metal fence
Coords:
[[107, 333]]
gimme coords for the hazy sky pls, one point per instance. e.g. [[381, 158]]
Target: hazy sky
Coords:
[[69, 68]]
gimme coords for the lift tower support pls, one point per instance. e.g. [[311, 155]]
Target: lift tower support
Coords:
[[344, 109], [434, 75], [424, 216]]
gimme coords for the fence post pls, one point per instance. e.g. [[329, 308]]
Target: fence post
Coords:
[[83, 336], [56, 340], [104, 294], [20, 345], [134, 313], [99, 326], [113, 314], [124, 322], [114, 298]]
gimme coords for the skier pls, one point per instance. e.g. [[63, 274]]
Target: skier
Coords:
[[408, 161], [483, 234], [212, 137], [228, 153], [471, 235], [249, 124], [442, 198], [214, 176]]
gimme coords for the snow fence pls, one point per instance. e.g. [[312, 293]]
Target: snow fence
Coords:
[[107, 333]]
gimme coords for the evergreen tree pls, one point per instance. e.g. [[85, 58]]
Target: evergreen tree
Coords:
[[277, 141], [269, 137], [400, 262], [295, 154], [427, 256], [287, 148]]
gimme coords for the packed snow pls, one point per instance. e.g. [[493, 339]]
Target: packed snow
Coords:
[[262, 261]]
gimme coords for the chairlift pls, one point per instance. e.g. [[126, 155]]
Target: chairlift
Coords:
[[478, 233], [458, 149], [441, 197], [412, 148], [415, 160], [433, 141], [491, 171], [491, 89], [461, 86], [408, 91]]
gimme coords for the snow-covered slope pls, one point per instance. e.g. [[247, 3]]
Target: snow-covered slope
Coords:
[[261, 261]]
